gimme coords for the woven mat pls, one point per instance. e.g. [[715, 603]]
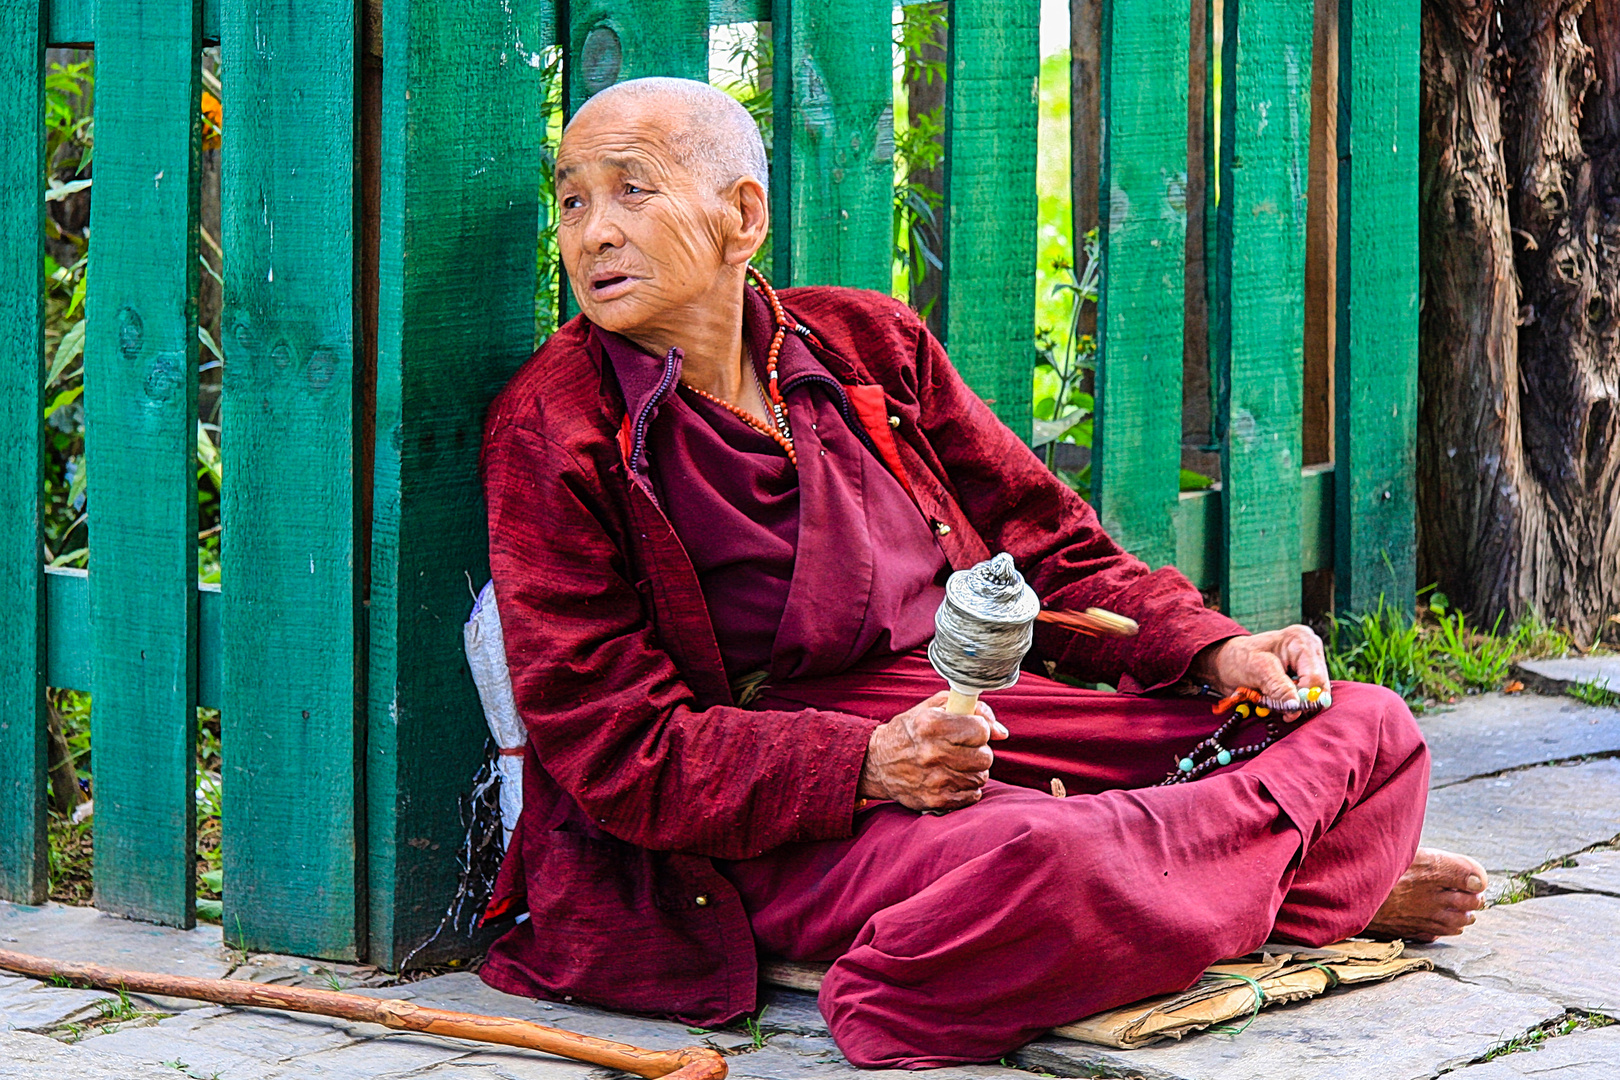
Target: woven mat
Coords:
[[1225, 998]]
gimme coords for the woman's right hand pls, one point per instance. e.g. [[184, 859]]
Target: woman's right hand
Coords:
[[929, 759]]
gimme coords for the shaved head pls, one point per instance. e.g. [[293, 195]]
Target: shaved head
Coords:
[[708, 131]]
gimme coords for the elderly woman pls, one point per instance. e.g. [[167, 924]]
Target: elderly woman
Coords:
[[720, 521]]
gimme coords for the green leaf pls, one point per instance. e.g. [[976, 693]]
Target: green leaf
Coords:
[[65, 398], [210, 910], [67, 558], [76, 489], [208, 339], [69, 349], [78, 297], [208, 457], [212, 880], [1047, 431], [1195, 481]]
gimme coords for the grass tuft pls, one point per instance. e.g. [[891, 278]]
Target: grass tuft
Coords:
[[1572, 1021], [1595, 693], [1434, 655]]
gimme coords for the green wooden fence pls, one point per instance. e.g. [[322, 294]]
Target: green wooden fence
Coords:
[[380, 200]]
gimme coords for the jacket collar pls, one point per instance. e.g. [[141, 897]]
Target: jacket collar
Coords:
[[646, 382]]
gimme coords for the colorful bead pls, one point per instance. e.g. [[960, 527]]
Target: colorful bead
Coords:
[[1185, 764], [1224, 757]]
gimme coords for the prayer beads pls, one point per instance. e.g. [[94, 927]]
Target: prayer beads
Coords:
[[1213, 754]]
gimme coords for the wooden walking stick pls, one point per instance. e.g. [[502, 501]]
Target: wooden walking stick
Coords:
[[689, 1063]]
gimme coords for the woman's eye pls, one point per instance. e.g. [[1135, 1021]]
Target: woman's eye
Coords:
[[571, 202], [632, 189]]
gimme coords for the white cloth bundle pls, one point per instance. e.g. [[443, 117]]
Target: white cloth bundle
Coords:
[[486, 656]]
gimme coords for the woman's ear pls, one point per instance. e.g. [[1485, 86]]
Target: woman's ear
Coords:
[[746, 199]]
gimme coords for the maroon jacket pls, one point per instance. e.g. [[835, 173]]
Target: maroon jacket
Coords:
[[641, 769]]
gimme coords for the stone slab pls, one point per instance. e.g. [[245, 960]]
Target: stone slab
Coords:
[[85, 934], [238, 1044], [1557, 676], [809, 1057], [1519, 820], [26, 1005], [279, 970], [1407, 1029], [34, 1057], [791, 1012], [512, 1065], [1596, 871], [1593, 1054], [1559, 947], [1492, 732], [387, 1057]]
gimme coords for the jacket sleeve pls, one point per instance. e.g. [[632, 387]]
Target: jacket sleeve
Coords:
[[1017, 505], [607, 711]]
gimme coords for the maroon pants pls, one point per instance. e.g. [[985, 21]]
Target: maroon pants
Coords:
[[958, 938]]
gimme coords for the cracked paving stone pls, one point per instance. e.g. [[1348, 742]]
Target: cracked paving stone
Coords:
[[25, 1056], [26, 1005], [515, 1064], [85, 934], [390, 1055], [1519, 820], [278, 970], [1556, 676], [1561, 947], [808, 1057], [1592, 1054], [238, 1044], [1491, 732], [1407, 1029], [1595, 871]]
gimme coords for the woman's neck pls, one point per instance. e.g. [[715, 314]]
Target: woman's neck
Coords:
[[710, 337]]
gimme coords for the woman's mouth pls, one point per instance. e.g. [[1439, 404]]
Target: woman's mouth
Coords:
[[611, 286]]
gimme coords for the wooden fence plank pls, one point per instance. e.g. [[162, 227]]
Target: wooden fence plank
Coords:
[[24, 874], [67, 614], [1198, 528], [1136, 458], [832, 173], [141, 447], [1261, 246], [988, 297], [73, 22], [1375, 358], [460, 187], [292, 693], [612, 41]]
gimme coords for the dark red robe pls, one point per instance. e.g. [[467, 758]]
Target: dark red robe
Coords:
[[958, 937]]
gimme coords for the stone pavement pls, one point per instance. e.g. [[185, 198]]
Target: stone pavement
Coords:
[[1529, 784]]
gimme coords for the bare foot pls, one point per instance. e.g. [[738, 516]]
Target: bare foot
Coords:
[[1437, 896]]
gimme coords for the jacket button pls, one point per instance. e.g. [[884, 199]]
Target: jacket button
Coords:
[[942, 529], [894, 421], [702, 901]]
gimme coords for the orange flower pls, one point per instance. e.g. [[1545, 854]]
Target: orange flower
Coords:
[[213, 115]]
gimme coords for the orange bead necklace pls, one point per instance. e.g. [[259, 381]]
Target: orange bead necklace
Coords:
[[772, 400]]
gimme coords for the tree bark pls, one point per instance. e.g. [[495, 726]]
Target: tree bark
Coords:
[[1518, 455]]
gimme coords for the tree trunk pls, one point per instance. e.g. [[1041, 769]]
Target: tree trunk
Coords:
[[1518, 455]]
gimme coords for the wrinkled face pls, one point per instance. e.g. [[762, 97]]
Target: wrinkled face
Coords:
[[642, 238]]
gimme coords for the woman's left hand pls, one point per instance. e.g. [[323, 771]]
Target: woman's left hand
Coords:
[[1276, 663]]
